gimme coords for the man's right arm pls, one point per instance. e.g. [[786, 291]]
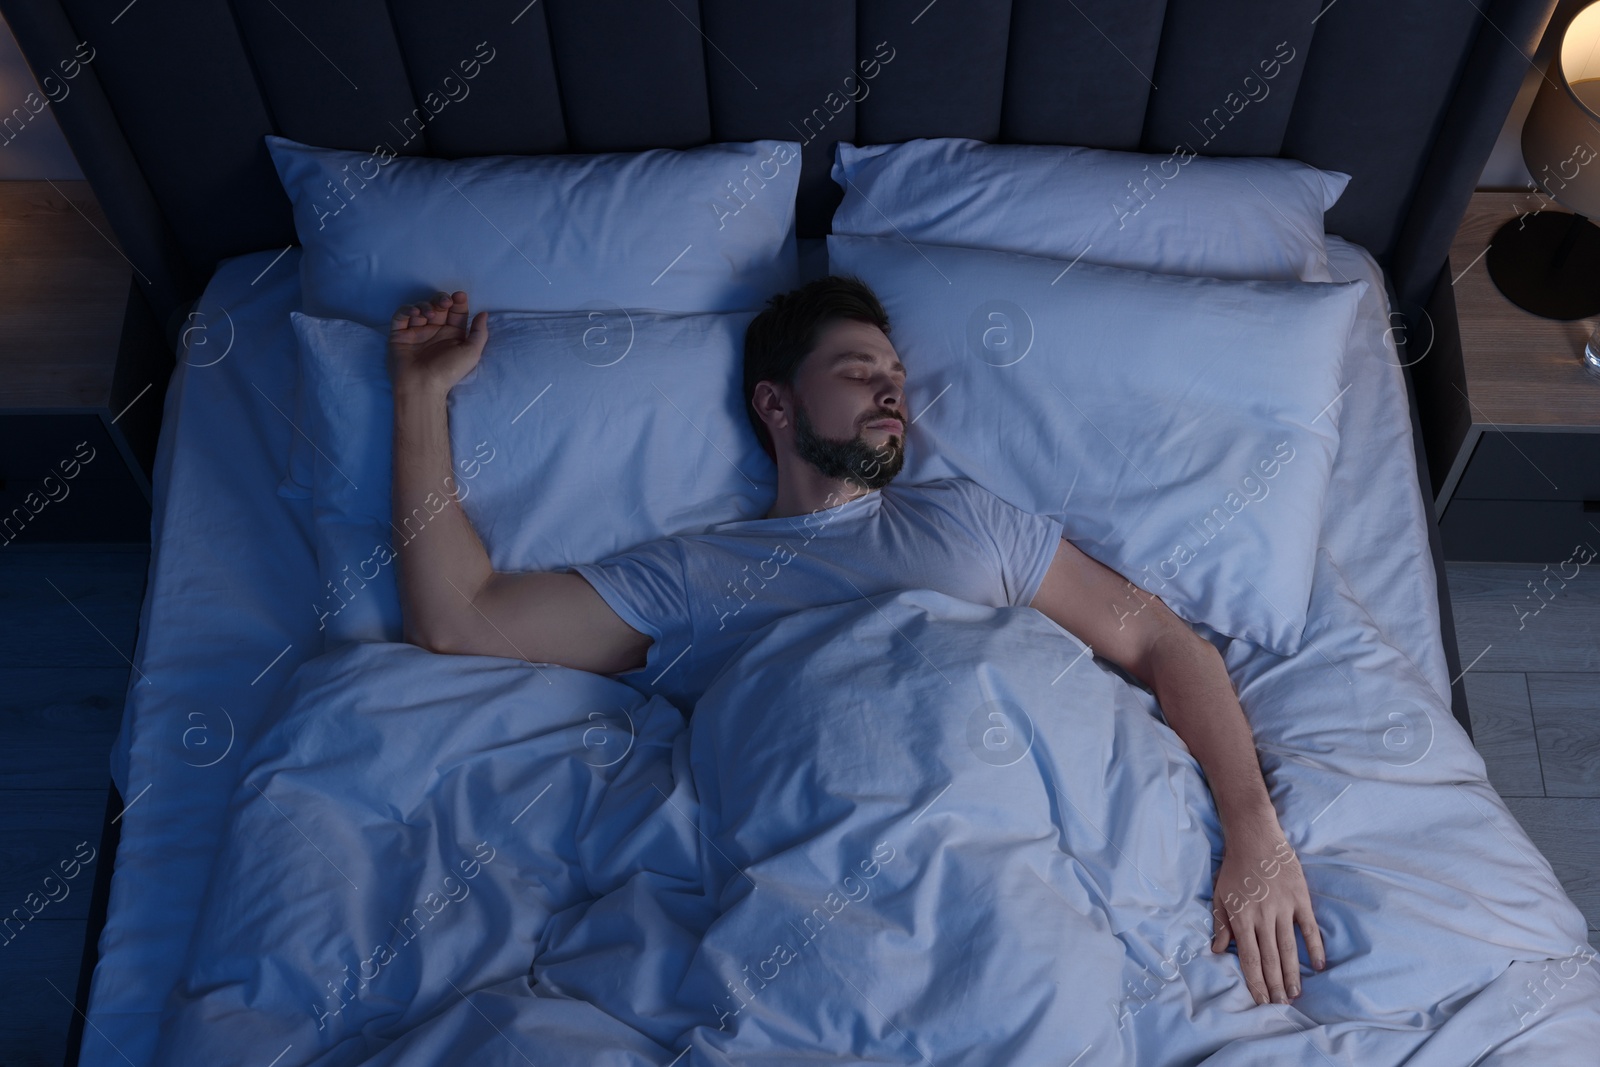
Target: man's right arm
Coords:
[[452, 599]]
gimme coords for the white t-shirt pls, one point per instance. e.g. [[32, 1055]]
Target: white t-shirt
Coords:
[[700, 595]]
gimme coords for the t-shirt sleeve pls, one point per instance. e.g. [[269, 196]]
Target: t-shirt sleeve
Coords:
[[646, 587], [1025, 543]]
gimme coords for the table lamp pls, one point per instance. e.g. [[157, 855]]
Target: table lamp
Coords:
[[1548, 262]]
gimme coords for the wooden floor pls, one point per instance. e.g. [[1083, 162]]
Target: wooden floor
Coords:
[[1532, 641], [68, 618]]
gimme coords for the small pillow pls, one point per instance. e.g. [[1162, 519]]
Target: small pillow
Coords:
[[576, 437], [1173, 213], [1183, 429], [697, 230]]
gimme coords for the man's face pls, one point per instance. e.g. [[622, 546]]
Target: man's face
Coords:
[[850, 413]]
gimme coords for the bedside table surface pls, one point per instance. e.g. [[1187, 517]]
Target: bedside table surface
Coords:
[[1523, 372], [66, 288]]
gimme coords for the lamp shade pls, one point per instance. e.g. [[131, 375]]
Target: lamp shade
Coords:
[[1562, 132]]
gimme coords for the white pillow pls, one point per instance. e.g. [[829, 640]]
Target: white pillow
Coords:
[[1176, 213], [695, 230], [577, 436], [1183, 429]]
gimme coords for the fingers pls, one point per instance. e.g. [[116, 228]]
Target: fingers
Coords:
[[480, 330], [1288, 956], [1271, 961], [455, 305], [438, 309], [407, 315], [1313, 935], [1268, 958], [1250, 962], [444, 309], [1222, 932]]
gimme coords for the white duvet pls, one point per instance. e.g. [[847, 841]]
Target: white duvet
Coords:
[[894, 832]]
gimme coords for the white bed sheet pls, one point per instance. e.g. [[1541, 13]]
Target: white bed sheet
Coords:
[[231, 582], [229, 614], [1374, 524]]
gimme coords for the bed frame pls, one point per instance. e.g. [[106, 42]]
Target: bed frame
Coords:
[[167, 116]]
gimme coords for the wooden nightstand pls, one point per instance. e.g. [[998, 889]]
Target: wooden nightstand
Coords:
[[1524, 482], [79, 406]]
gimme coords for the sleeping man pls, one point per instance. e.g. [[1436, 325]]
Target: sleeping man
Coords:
[[826, 396]]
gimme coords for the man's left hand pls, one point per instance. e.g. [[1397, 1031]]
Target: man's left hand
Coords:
[[1259, 896]]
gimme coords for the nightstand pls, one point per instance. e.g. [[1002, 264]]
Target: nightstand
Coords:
[[81, 389], [1523, 484]]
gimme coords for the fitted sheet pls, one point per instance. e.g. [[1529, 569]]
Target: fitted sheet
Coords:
[[230, 610]]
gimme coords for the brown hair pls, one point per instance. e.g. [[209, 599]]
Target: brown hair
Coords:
[[778, 340]]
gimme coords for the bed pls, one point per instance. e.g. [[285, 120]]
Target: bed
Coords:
[[1476, 954]]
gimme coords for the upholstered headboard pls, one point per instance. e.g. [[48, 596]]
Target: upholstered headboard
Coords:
[[167, 114]]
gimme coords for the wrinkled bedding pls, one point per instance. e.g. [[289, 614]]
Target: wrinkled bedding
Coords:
[[895, 831]]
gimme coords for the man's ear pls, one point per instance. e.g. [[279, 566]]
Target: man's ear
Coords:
[[774, 404]]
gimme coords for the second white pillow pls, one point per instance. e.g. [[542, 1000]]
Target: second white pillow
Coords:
[[1183, 429], [1173, 213]]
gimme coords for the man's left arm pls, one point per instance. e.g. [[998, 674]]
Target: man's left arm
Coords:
[[1260, 891]]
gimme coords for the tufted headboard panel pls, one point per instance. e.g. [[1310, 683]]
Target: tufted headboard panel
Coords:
[[168, 113]]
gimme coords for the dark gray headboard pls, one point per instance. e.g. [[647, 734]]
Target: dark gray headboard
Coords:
[[167, 118]]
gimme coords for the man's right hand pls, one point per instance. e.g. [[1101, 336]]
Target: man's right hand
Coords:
[[451, 597], [432, 346]]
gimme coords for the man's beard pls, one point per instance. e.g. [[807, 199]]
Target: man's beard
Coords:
[[871, 466]]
